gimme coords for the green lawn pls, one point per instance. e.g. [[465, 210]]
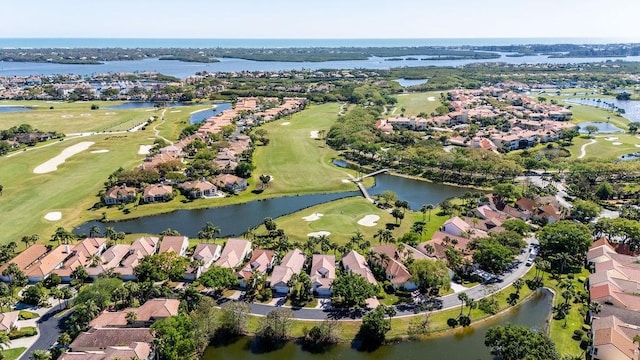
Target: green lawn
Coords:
[[12, 354], [340, 218], [74, 117], [177, 119], [585, 113], [603, 148], [415, 103], [298, 163], [72, 189]]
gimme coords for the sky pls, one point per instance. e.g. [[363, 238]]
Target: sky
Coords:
[[323, 19]]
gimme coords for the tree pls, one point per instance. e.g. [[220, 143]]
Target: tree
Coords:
[[319, 337], [62, 236], [264, 180], [300, 289], [388, 197], [80, 275], [585, 210], [517, 225], [233, 318], [269, 224], [131, 317], [204, 317], [518, 284], [397, 214], [16, 276], [565, 237], [507, 191], [5, 342], [274, 328], [219, 278], [634, 127], [94, 230], [590, 129], [513, 342], [1, 189], [243, 169], [605, 191], [100, 292], [40, 355], [159, 267], [351, 290], [209, 232], [174, 338], [492, 256], [35, 295], [431, 276], [375, 325]]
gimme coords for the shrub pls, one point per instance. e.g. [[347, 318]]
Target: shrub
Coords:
[[26, 315], [24, 332], [577, 334]]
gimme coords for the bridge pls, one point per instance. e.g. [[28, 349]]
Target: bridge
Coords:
[[363, 190]]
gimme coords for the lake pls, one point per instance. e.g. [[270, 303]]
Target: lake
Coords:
[[411, 82], [234, 220], [631, 107], [464, 344], [603, 128], [143, 105], [182, 69], [200, 116]]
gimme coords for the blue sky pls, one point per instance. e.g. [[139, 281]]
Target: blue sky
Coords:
[[319, 19]]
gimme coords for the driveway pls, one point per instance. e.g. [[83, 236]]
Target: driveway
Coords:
[[48, 329]]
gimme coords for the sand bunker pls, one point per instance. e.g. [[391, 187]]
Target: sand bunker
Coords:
[[346, 181], [431, 98], [313, 217], [100, 151], [616, 143], [53, 216], [369, 220], [314, 134], [318, 233], [285, 123], [145, 149], [67, 116], [85, 115], [109, 113], [637, 145], [611, 138], [175, 111], [52, 164]]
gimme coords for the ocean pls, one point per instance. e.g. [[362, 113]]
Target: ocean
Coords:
[[281, 43]]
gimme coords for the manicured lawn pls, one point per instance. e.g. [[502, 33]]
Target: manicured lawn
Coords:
[[74, 117], [415, 103], [560, 333], [340, 218], [603, 148], [298, 163], [12, 354], [72, 189], [585, 113], [177, 119]]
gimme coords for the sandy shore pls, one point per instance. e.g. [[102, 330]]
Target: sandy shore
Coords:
[[52, 164]]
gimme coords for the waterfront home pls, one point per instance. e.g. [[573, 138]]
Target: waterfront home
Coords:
[[140, 248], [101, 340], [110, 259], [177, 244], [199, 189], [613, 339], [290, 265], [133, 350], [157, 193], [146, 314], [235, 251], [323, 272], [261, 261], [43, 267], [207, 254], [231, 183], [391, 258], [437, 246], [356, 264], [25, 259], [120, 194]]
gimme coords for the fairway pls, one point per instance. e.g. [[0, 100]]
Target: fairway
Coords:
[[74, 117], [71, 189], [416, 103], [298, 163], [340, 218]]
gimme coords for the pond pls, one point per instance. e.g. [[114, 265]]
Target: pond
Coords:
[[464, 344], [411, 82], [632, 156], [143, 105], [13, 108], [631, 107], [202, 115], [603, 128], [238, 218]]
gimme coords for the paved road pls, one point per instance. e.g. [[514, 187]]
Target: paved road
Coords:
[[48, 329], [448, 301]]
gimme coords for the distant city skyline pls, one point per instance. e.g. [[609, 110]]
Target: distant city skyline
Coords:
[[329, 19]]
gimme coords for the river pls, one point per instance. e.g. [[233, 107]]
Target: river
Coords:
[[464, 344], [236, 219], [183, 69]]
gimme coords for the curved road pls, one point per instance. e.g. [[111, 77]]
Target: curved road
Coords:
[[48, 330], [448, 301]]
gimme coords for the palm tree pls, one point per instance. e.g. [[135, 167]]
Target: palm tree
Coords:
[[110, 233], [325, 243], [131, 317], [61, 235], [310, 245], [64, 339], [429, 208], [26, 240], [518, 284], [428, 248], [334, 246], [471, 304], [397, 214], [94, 260], [265, 179], [40, 355], [94, 230], [423, 210], [379, 235], [5, 342], [464, 298], [209, 231]]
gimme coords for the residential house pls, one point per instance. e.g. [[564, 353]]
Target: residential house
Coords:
[[131, 351], [355, 263], [80, 255], [323, 272], [39, 270], [157, 193], [231, 183], [147, 314], [261, 261], [199, 189], [391, 259], [101, 339], [613, 339], [25, 259], [437, 246], [177, 244], [9, 320], [120, 194], [140, 248], [234, 253], [290, 265], [207, 253], [110, 259], [456, 226]]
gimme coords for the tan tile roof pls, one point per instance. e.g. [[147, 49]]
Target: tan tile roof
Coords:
[[323, 270], [173, 243], [357, 264], [153, 309], [233, 253], [27, 257], [47, 264], [260, 261], [105, 337], [291, 264], [8, 319]]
